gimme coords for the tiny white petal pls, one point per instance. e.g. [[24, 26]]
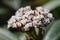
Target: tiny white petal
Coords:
[[18, 13], [29, 12], [26, 27], [47, 20], [28, 7], [11, 21], [24, 16], [23, 22], [18, 24], [46, 10], [50, 15], [34, 18], [21, 9], [9, 26], [39, 8], [34, 23], [30, 16], [36, 12], [13, 17], [41, 16], [18, 18], [30, 24], [28, 21], [14, 25], [35, 26]]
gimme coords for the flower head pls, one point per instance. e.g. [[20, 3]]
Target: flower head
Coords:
[[26, 18]]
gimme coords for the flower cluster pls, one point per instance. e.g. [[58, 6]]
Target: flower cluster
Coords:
[[26, 18]]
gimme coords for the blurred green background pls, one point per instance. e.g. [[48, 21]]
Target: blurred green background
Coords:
[[9, 7]]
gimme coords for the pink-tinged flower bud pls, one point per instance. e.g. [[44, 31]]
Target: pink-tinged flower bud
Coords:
[[18, 24], [26, 27], [23, 22], [34, 23], [36, 12]]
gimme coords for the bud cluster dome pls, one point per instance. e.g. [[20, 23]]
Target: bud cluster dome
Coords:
[[26, 18]]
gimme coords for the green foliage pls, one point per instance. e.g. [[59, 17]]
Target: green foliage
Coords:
[[6, 35], [53, 32]]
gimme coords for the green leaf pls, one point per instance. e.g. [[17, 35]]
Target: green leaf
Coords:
[[54, 32], [49, 26], [6, 35], [22, 36], [37, 31]]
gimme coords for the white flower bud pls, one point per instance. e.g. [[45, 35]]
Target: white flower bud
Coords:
[[41, 16], [34, 23], [9, 26], [14, 25], [21, 9], [30, 24], [28, 8], [47, 20], [39, 8], [36, 12], [11, 21], [23, 22], [34, 18], [18, 24], [30, 16], [26, 27], [18, 18], [24, 16], [46, 10], [28, 21], [50, 15]]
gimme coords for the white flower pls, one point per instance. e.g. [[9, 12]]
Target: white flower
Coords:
[[21, 10], [26, 27], [28, 8], [11, 21], [34, 18], [18, 24], [46, 10], [50, 15], [18, 18], [29, 12], [14, 25], [39, 8], [36, 12], [35, 23], [9, 26], [29, 18], [39, 23], [30, 24], [46, 21], [24, 16], [28, 21], [41, 16], [19, 14], [23, 22]]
